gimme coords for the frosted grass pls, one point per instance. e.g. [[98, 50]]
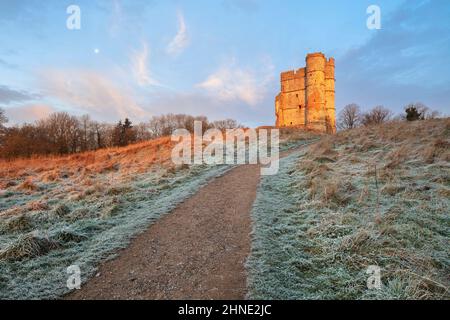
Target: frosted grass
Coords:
[[130, 213], [307, 248], [92, 228]]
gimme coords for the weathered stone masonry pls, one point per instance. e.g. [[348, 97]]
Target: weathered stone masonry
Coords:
[[307, 96]]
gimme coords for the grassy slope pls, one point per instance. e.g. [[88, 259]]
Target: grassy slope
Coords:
[[79, 209], [322, 220]]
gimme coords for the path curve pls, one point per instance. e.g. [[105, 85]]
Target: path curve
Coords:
[[198, 251]]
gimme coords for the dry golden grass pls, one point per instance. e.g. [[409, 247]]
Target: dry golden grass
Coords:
[[295, 134], [39, 205], [124, 160], [88, 177], [28, 185], [385, 151], [439, 149], [83, 167], [28, 245]]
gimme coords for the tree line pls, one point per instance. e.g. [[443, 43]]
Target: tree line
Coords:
[[62, 133], [351, 116]]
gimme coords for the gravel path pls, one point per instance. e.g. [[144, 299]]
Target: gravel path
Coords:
[[197, 251]]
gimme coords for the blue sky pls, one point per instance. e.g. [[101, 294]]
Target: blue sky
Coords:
[[220, 58]]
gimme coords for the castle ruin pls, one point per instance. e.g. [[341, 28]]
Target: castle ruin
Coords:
[[307, 96]]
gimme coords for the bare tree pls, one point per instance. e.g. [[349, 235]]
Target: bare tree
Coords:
[[104, 135], [204, 121], [143, 132], [376, 116], [349, 117], [85, 133], [3, 120], [424, 110], [164, 125], [155, 126], [419, 111], [61, 133], [225, 124], [25, 141]]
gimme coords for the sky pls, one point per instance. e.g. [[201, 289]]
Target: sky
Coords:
[[219, 58]]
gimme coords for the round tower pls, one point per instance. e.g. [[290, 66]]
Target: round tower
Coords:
[[329, 96], [315, 91]]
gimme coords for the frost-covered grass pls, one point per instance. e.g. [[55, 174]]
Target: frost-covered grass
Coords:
[[80, 209], [86, 231], [291, 138], [372, 196]]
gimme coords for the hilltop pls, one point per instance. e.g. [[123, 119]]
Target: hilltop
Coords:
[[375, 195]]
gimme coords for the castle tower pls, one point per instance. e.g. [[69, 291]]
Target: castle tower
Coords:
[[291, 101], [315, 90], [329, 96], [307, 96]]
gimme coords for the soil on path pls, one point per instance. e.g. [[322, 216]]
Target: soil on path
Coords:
[[198, 251]]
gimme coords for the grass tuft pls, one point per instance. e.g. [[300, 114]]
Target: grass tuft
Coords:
[[28, 246], [68, 236], [61, 210], [28, 185], [16, 224]]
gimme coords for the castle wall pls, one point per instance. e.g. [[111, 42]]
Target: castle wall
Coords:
[[278, 111], [293, 100], [307, 95], [329, 95]]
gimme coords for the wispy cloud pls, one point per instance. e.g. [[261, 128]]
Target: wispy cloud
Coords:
[[231, 82], [9, 95], [181, 39], [140, 67], [116, 19], [91, 92]]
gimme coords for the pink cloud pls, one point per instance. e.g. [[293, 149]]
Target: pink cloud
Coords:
[[92, 93], [28, 113]]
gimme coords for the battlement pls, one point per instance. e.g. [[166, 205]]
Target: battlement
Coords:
[[307, 95], [293, 74], [329, 69], [315, 55]]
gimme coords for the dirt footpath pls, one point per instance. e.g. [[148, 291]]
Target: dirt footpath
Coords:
[[197, 251]]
